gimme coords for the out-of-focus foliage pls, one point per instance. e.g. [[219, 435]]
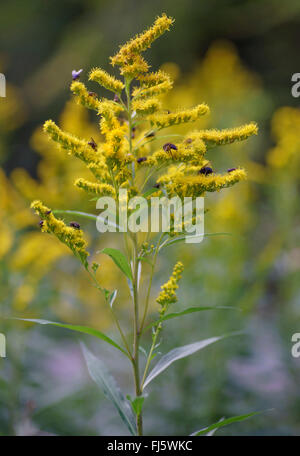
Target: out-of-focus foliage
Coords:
[[255, 268]]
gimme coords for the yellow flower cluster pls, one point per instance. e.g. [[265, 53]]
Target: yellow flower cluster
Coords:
[[131, 50], [123, 155], [226, 136], [95, 188], [153, 90], [145, 107], [80, 148], [164, 120], [153, 79], [68, 235], [75, 146], [167, 295], [181, 184], [85, 98], [106, 80], [184, 153]]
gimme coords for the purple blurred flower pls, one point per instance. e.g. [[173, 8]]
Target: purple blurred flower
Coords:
[[76, 74]]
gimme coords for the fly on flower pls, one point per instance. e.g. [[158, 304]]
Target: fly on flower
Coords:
[[75, 225], [92, 143]]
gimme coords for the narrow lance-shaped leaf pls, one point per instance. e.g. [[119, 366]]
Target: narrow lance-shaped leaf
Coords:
[[213, 431], [186, 312], [178, 353], [183, 238], [76, 213], [107, 383], [224, 422], [149, 192], [86, 215], [120, 260], [78, 328]]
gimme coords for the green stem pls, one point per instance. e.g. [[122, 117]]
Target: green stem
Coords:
[[127, 90], [136, 370], [150, 282], [149, 358], [113, 315], [135, 356]]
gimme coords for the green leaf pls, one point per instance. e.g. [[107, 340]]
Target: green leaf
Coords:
[[112, 297], [213, 431], [224, 422], [107, 383], [120, 260], [85, 215], [81, 329], [76, 213], [178, 353], [149, 192], [182, 238], [137, 404], [185, 312]]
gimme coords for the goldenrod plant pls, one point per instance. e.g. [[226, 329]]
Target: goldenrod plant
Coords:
[[131, 153]]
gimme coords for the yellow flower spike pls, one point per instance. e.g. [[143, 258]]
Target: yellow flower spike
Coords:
[[123, 176], [152, 79], [95, 188], [145, 107], [229, 135], [197, 185], [116, 146], [163, 120], [144, 40], [134, 66], [167, 295], [85, 98], [75, 146], [109, 110], [153, 90], [72, 237], [106, 80], [183, 153]]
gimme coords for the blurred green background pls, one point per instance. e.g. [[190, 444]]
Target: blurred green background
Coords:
[[238, 56]]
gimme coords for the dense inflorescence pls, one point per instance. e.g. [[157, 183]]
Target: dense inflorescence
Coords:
[[130, 125]]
